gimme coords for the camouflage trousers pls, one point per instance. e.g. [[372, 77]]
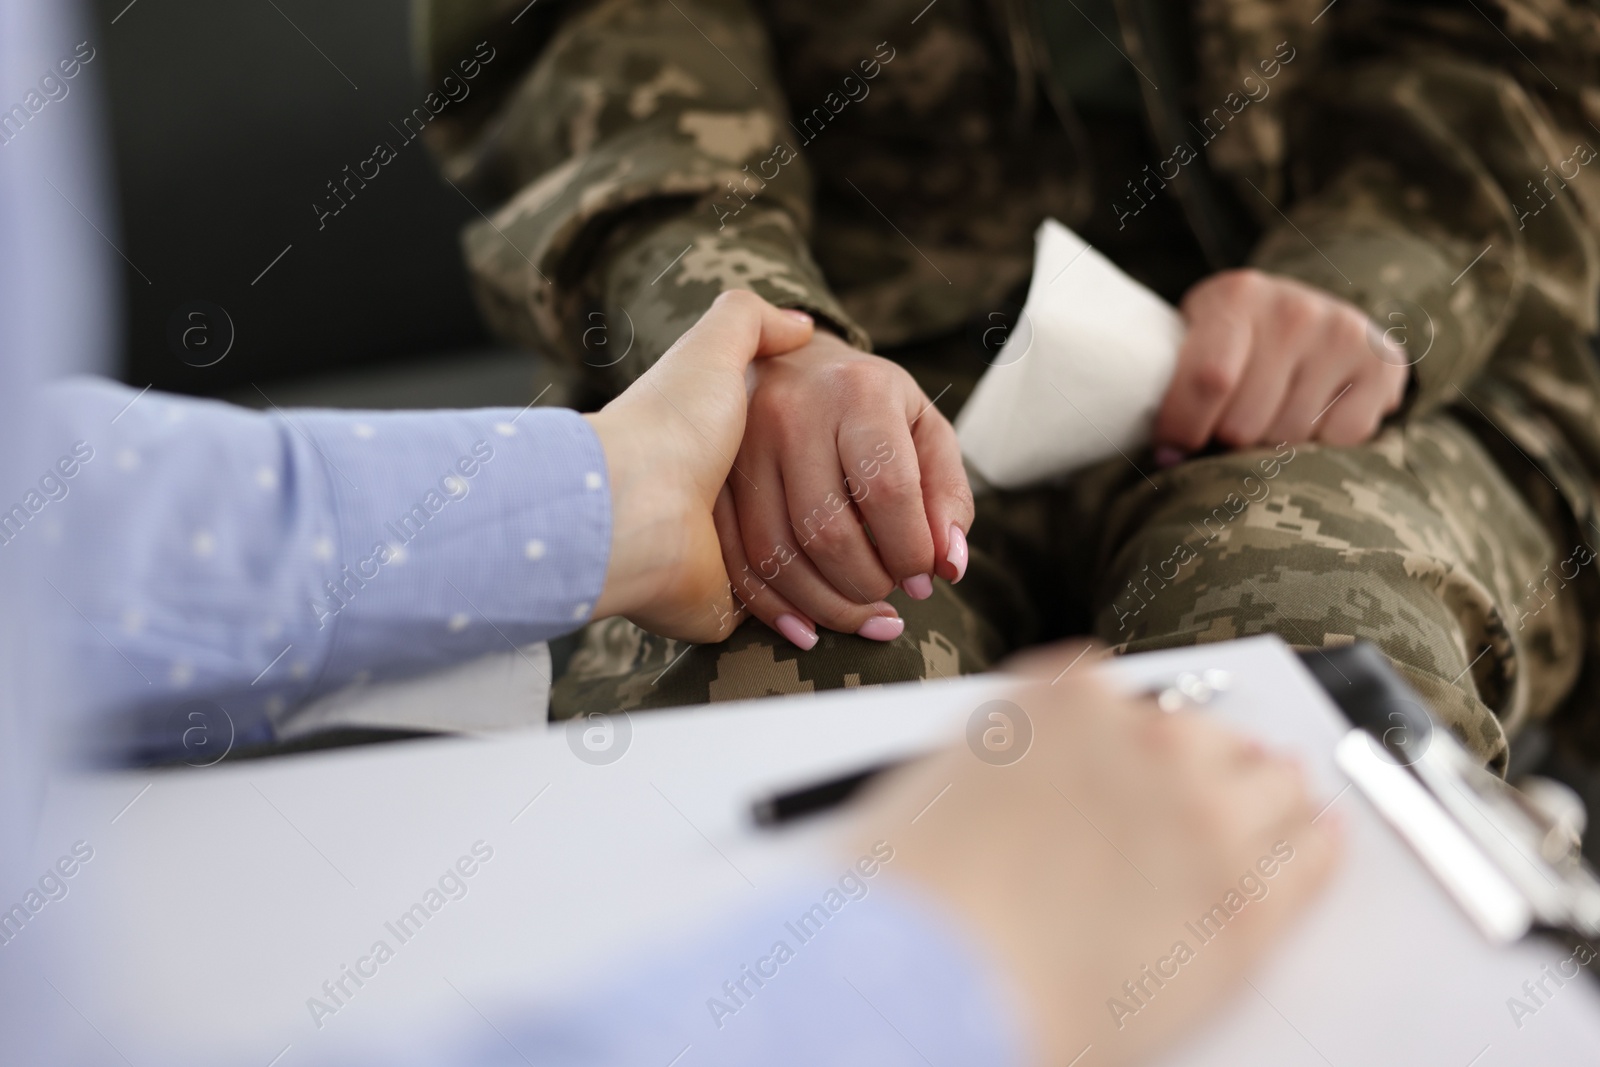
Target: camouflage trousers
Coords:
[[1417, 542]]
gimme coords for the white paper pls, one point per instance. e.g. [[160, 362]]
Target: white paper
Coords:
[[1082, 373]]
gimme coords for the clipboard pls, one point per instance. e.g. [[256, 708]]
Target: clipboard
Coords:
[[1508, 865]]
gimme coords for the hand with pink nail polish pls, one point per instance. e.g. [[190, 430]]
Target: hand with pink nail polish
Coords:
[[667, 443], [848, 483]]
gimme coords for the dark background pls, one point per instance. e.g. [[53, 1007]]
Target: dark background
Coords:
[[227, 123]]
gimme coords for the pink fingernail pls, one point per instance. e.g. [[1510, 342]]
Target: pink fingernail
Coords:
[[957, 556], [796, 313], [802, 635], [918, 586], [882, 628], [1167, 456]]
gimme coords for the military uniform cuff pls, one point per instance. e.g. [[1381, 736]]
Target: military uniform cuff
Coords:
[[659, 281], [1401, 282]]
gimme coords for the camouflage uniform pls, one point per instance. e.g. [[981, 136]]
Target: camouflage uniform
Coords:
[[884, 166]]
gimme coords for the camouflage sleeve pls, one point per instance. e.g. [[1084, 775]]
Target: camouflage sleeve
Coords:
[[647, 152], [1438, 179]]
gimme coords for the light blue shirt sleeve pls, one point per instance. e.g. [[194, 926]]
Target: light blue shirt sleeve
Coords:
[[887, 980], [205, 552]]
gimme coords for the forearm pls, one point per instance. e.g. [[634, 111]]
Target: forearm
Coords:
[[259, 560], [632, 141], [888, 972], [1411, 176], [658, 283]]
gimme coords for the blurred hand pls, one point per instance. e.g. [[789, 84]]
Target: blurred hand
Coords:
[[668, 442], [1269, 360], [839, 441], [1053, 862]]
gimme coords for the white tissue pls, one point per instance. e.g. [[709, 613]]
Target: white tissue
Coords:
[[1081, 374]]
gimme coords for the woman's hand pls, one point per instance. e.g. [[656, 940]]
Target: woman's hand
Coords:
[[669, 441], [1084, 864]]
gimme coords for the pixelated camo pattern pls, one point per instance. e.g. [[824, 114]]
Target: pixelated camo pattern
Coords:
[[885, 165], [619, 667]]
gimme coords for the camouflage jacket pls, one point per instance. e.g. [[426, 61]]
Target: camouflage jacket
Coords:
[[884, 165]]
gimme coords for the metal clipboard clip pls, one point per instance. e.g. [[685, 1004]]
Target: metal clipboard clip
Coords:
[[1508, 864]]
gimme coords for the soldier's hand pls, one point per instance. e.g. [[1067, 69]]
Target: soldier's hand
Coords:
[[1086, 867], [668, 442], [1268, 360], [840, 441]]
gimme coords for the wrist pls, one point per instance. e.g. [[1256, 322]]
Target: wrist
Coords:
[[642, 531]]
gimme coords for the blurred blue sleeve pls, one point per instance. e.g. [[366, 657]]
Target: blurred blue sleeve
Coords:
[[206, 551], [885, 981]]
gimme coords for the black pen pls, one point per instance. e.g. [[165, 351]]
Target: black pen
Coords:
[[807, 800], [1188, 689]]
